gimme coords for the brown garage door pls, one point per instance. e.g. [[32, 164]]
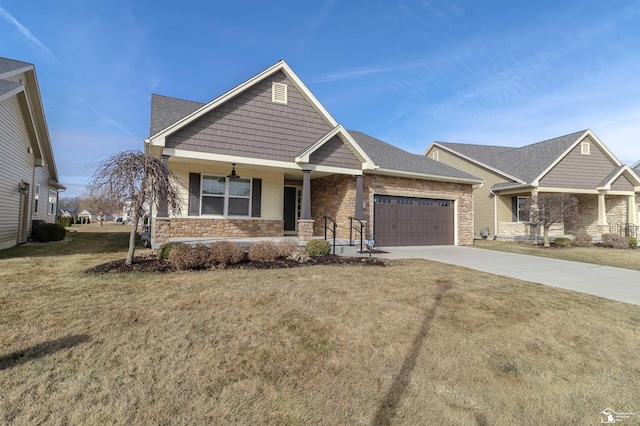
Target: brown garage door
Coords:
[[406, 221]]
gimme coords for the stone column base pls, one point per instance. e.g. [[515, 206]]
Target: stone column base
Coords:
[[602, 229], [305, 229]]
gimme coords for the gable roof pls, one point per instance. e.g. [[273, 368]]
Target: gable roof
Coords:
[[157, 138], [524, 164], [389, 157], [28, 93]]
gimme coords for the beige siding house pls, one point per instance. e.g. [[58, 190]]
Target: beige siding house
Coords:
[[578, 163], [266, 159], [28, 176]]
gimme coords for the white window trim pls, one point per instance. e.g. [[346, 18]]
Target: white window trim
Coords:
[[279, 89], [435, 155], [226, 196], [518, 209], [36, 198], [585, 148], [51, 206]]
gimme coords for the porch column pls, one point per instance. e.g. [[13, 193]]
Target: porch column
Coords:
[[633, 210], [305, 223], [163, 206], [359, 213], [602, 210], [305, 209]]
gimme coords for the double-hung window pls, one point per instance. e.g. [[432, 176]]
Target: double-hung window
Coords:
[[222, 196], [53, 199], [523, 211]]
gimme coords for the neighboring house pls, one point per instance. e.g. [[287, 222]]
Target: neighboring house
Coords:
[[578, 163], [28, 177], [266, 159], [87, 216]]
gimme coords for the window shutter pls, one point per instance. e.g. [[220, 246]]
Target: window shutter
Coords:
[[256, 197], [514, 209], [194, 194]]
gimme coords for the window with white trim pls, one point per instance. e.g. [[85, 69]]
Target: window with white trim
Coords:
[[36, 198], [224, 196], [53, 199], [279, 93], [523, 211], [435, 155], [585, 148]]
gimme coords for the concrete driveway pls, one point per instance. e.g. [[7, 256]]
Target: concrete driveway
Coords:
[[604, 281]]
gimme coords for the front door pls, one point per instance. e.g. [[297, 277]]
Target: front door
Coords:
[[289, 212]]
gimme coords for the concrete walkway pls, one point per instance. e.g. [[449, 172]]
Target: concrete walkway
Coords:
[[603, 281]]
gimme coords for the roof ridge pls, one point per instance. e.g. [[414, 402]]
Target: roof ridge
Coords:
[[178, 99], [548, 140]]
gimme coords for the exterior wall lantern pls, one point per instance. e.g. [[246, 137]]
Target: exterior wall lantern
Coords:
[[23, 188]]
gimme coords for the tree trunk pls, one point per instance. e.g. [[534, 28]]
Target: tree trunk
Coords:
[[132, 238], [545, 237]]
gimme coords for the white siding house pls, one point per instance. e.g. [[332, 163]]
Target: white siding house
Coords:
[[28, 176]]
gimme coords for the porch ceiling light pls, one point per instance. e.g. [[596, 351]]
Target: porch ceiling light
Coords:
[[233, 171]]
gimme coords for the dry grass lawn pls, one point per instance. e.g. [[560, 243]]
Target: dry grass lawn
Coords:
[[413, 343], [627, 259]]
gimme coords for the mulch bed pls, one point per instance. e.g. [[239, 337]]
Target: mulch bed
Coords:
[[153, 264]]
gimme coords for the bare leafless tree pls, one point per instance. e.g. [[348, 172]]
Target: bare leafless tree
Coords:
[[139, 177], [547, 209]]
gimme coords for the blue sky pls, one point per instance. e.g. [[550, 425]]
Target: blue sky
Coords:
[[407, 72]]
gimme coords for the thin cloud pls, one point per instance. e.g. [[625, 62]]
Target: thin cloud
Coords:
[[346, 75], [26, 33]]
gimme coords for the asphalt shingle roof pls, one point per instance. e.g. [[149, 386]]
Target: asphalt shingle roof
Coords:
[[525, 163], [7, 86], [8, 65], [166, 110], [391, 157]]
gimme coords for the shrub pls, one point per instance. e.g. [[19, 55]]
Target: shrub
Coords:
[[615, 241], [264, 251], [186, 257], [165, 249], [287, 247], [633, 241], [582, 239], [318, 248], [46, 232], [225, 253], [65, 221], [562, 242]]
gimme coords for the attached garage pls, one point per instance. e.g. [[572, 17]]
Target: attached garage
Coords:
[[408, 221]]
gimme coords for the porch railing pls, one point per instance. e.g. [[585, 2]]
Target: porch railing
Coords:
[[358, 228], [624, 229], [330, 227]]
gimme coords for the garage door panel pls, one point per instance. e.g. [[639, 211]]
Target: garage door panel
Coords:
[[403, 221]]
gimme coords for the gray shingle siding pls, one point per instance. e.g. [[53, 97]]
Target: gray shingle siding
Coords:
[[251, 125], [579, 171], [335, 153]]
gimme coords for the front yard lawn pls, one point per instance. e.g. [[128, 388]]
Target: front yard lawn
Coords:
[[619, 258], [415, 342]]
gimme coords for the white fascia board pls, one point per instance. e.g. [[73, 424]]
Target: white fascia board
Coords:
[[205, 156], [578, 140], [424, 176], [548, 189], [159, 138], [303, 157], [24, 69], [476, 162]]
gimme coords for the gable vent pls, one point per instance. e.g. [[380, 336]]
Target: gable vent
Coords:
[[585, 148], [279, 93]]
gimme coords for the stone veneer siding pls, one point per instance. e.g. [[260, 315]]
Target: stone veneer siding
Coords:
[[334, 196], [198, 227]]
